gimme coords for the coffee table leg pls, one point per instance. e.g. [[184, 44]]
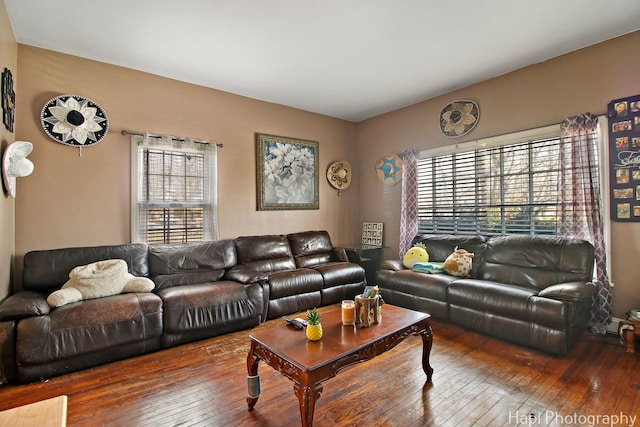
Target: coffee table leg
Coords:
[[427, 342], [253, 379], [307, 396]]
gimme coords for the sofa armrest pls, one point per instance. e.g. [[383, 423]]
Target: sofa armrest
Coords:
[[570, 291], [340, 255], [259, 291], [244, 274], [392, 264], [24, 304]]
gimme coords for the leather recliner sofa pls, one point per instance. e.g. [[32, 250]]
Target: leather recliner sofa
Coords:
[[532, 291], [200, 291], [302, 270]]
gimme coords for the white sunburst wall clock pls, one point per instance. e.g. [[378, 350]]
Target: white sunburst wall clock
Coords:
[[74, 120]]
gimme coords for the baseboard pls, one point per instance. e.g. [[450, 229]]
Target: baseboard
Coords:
[[612, 328]]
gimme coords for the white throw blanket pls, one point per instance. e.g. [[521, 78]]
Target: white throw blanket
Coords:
[[97, 280]]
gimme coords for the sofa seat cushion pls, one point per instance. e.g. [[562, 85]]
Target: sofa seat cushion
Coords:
[[294, 282], [429, 286], [88, 327], [340, 273], [194, 307], [490, 297]]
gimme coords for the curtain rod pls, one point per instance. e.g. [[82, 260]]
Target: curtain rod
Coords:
[[126, 132]]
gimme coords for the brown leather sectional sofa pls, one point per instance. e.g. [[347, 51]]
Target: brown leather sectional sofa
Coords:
[[533, 291], [202, 290]]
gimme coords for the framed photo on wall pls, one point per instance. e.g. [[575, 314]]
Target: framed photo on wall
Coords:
[[624, 158], [372, 233], [287, 173]]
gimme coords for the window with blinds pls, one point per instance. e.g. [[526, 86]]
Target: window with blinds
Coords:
[[173, 195], [504, 189], [176, 203]]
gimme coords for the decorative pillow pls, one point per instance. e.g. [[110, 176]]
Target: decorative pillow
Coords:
[[99, 279], [428, 267], [459, 263], [418, 253]]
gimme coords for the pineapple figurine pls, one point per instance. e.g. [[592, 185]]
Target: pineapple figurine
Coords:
[[314, 328]]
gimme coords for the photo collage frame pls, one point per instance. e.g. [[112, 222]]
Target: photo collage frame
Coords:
[[372, 234], [624, 158]]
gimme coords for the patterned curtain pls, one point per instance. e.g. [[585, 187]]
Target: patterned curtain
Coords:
[[579, 189], [409, 208]]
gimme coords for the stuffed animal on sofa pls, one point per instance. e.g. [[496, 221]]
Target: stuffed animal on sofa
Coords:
[[418, 253], [99, 279], [459, 263]]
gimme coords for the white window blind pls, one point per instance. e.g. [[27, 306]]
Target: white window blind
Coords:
[[174, 190], [504, 185]]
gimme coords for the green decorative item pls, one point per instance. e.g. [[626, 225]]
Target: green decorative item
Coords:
[[314, 327], [428, 267]]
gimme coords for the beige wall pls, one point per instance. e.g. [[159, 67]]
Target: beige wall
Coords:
[[8, 59], [539, 95], [75, 201]]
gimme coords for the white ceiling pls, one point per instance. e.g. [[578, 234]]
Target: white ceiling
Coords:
[[350, 59]]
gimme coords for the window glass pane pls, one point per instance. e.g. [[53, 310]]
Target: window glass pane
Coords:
[[194, 188], [175, 225], [499, 190], [172, 182]]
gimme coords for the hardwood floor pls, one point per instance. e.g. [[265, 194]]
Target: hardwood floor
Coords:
[[478, 381]]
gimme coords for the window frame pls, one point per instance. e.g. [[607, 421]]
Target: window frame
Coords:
[[546, 132], [139, 233], [470, 149]]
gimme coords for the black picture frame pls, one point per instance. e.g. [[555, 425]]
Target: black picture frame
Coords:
[[624, 158]]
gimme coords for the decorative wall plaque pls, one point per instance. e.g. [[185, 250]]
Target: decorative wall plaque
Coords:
[[8, 100], [458, 118], [74, 120]]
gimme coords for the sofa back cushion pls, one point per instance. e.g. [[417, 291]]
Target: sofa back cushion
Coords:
[[190, 263], [537, 262], [48, 270], [266, 253], [311, 248], [440, 246]]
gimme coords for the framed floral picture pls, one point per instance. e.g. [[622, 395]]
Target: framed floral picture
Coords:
[[287, 173]]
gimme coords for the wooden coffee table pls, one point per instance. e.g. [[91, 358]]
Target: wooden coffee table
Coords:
[[308, 363]]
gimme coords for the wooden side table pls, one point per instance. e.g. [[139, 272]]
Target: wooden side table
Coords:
[[367, 256], [630, 335]]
